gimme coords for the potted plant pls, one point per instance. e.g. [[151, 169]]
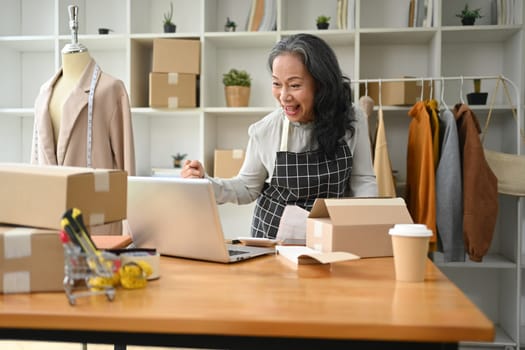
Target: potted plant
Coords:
[[323, 22], [468, 16], [169, 26], [177, 159], [477, 97], [230, 25], [237, 85]]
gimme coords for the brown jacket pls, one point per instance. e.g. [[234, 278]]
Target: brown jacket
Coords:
[[480, 186], [112, 137]]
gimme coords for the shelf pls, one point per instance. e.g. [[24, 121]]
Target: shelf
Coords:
[[17, 112], [397, 36], [334, 37], [93, 42], [490, 261], [241, 39], [501, 339], [164, 111], [239, 111], [479, 34], [28, 43]]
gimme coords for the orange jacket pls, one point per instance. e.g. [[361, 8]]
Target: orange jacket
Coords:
[[420, 185]]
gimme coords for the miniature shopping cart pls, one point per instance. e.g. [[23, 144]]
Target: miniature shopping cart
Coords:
[[87, 270]]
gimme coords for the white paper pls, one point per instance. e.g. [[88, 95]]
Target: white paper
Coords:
[[293, 223]]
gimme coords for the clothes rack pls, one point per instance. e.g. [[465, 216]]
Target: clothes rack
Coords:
[[461, 79]]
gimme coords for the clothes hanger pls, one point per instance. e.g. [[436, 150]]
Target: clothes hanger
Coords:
[[422, 89], [380, 102], [461, 92], [442, 94]]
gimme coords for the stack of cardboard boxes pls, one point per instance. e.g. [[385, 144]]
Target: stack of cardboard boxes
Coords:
[[32, 202], [176, 67]]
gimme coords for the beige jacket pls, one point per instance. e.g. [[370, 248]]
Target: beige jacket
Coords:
[[382, 166], [112, 135]]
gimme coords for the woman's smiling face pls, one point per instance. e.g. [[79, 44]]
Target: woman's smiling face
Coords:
[[294, 87]]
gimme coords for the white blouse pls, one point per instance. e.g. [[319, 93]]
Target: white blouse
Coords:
[[264, 143]]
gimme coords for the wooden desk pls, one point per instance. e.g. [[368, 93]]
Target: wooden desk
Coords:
[[261, 303]]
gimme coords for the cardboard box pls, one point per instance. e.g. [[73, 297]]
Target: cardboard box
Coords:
[[228, 162], [176, 56], [31, 260], [38, 196], [172, 90], [355, 225], [396, 93]]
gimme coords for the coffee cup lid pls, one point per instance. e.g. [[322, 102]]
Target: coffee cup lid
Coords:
[[410, 230]]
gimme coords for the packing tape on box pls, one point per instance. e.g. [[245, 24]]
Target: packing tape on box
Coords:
[[173, 102], [17, 243], [173, 78], [153, 259], [101, 178], [17, 282], [237, 154]]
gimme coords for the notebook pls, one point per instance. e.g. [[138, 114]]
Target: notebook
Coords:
[[179, 217]]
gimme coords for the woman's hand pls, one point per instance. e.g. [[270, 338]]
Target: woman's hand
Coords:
[[192, 169]]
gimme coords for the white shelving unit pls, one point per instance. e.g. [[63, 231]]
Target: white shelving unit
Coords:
[[32, 33]]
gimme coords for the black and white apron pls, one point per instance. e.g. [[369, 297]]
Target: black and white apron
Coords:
[[298, 179]]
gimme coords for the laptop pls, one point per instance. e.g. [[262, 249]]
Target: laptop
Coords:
[[179, 217]]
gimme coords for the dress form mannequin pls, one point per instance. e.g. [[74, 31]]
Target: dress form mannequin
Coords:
[[73, 65]]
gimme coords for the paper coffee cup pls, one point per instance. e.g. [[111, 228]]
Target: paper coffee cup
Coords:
[[410, 247]]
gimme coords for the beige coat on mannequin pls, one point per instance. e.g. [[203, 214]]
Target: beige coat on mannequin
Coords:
[[112, 135]]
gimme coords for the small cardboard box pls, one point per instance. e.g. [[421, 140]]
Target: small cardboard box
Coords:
[[355, 225], [397, 93], [38, 196], [176, 56], [172, 90], [228, 162], [31, 260]]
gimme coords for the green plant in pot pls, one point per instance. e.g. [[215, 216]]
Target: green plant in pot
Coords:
[[230, 25], [323, 22], [237, 85], [468, 16], [477, 97], [169, 26], [177, 159]]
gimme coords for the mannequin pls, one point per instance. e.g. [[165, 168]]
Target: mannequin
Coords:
[[83, 118], [73, 65]]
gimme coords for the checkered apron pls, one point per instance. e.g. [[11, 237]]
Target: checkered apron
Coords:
[[298, 179]]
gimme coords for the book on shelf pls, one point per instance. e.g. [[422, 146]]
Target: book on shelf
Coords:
[[269, 19], [411, 10], [258, 14], [345, 14]]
